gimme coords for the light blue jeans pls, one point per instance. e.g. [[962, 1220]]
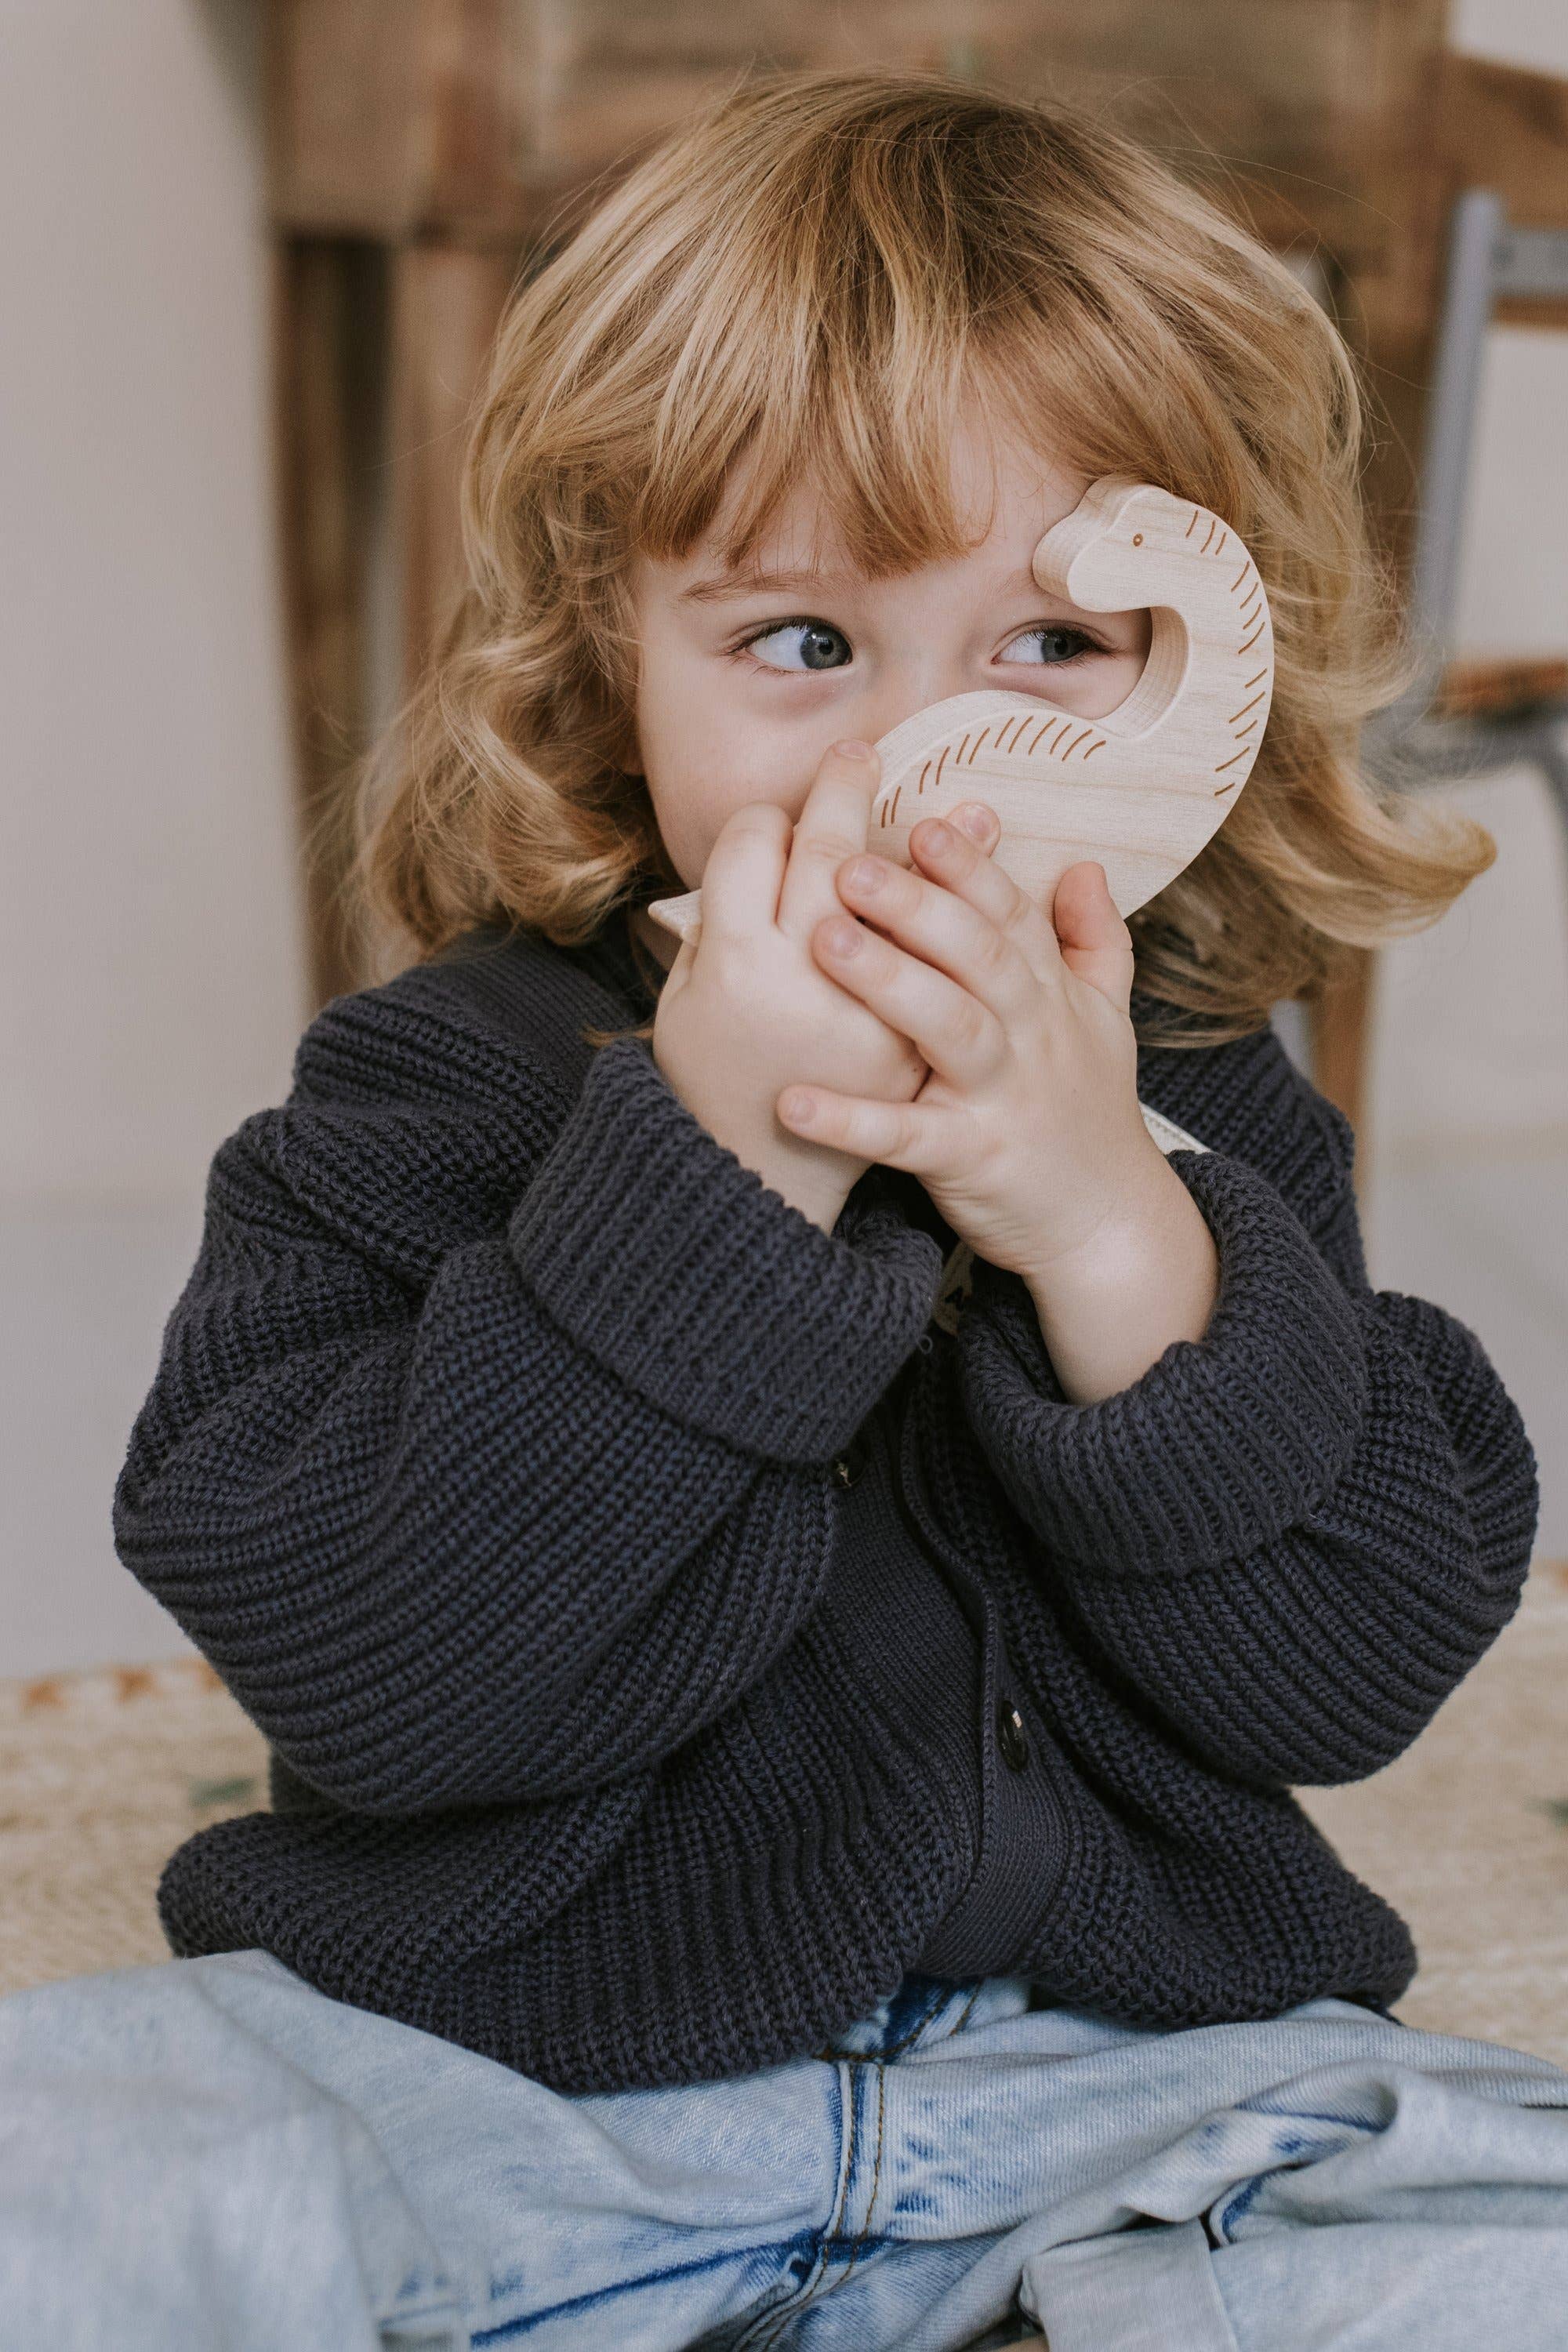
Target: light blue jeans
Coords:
[[209, 2153]]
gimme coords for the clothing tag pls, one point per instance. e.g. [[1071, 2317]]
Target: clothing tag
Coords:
[[957, 1282], [1166, 1133]]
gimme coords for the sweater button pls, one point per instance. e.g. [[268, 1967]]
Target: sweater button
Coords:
[[1011, 1735], [850, 1463]]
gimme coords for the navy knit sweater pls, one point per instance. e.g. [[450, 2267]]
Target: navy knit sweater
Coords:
[[668, 1636]]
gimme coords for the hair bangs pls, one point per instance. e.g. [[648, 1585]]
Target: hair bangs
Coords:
[[794, 376]]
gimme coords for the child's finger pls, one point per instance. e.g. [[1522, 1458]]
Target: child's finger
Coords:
[[955, 853], [831, 826], [914, 1137], [741, 879], [982, 825], [1096, 944]]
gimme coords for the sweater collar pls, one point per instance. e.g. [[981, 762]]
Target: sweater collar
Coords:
[[610, 956]]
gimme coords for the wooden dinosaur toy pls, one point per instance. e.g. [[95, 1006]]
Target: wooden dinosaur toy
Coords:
[[1141, 789]]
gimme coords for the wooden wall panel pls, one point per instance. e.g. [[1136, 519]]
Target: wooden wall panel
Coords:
[[346, 116], [326, 393], [394, 117], [446, 304]]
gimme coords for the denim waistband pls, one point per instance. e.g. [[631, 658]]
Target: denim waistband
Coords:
[[927, 2009]]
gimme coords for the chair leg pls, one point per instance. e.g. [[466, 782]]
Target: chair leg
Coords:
[[1338, 1024], [1552, 759]]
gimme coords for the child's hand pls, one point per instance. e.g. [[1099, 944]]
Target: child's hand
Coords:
[[748, 1007], [1026, 1132]]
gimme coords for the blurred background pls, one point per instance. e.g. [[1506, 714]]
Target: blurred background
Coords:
[[253, 256]]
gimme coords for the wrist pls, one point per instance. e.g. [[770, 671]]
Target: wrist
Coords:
[[812, 1179], [1147, 1277], [1117, 1249]]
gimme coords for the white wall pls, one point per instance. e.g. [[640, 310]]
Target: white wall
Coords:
[[1518, 32], [151, 971], [150, 949]]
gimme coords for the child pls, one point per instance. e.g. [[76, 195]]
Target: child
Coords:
[[781, 1828]]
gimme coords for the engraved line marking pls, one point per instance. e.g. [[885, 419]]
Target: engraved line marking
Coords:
[[1241, 576], [1251, 641], [1015, 722], [1219, 789], [1192, 525], [1223, 537], [978, 741], [924, 774], [1042, 728], [1242, 711], [1255, 681], [937, 778], [1249, 612], [1242, 732], [958, 755], [1065, 729], [899, 788], [1076, 739], [1232, 761], [1094, 748], [1213, 526]]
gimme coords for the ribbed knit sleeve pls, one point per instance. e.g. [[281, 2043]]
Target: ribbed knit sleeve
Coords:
[[1296, 1534], [1223, 1441], [675, 1268], [485, 1458]]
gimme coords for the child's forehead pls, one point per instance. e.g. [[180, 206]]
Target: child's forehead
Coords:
[[996, 483]]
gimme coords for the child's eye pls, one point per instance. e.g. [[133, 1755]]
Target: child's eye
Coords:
[[1059, 645], [820, 645]]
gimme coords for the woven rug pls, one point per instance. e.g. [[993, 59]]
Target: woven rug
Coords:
[[1466, 1835], [103, 1773]]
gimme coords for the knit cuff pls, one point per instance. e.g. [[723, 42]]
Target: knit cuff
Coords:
[[703, 1288], [1223, 1443]]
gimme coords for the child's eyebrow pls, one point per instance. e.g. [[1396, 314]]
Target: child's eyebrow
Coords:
[[753, 581]]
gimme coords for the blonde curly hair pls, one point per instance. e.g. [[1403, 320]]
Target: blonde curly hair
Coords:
[[814, 274]]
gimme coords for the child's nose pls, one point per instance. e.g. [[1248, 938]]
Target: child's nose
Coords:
[[883, 709]]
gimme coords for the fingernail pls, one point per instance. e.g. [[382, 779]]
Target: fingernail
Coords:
[[853, 748], [843, 936], [975, 821]]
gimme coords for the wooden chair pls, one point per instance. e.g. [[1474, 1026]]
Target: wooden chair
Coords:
[[421, 150]]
